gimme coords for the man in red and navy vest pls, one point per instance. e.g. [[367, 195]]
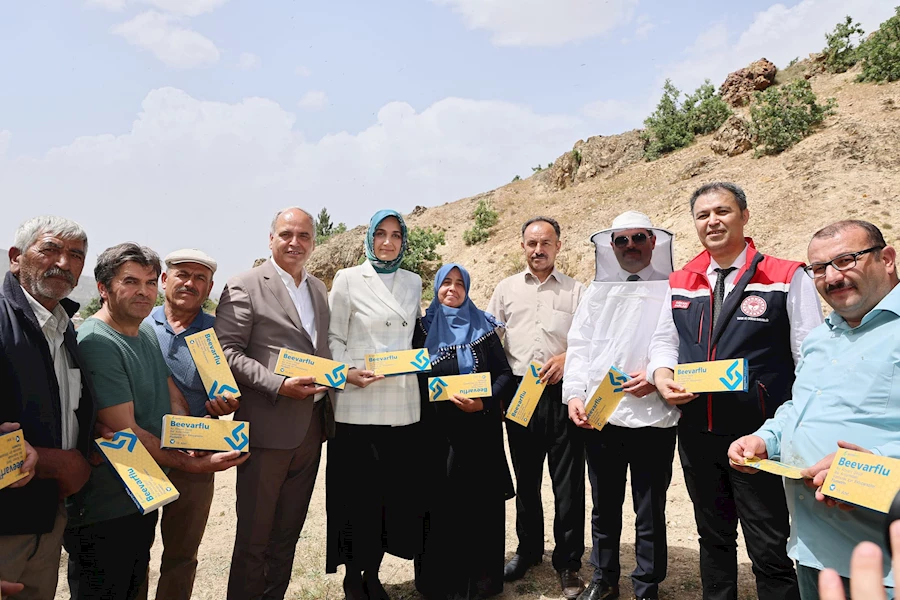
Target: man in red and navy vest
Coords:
[[732, 301]]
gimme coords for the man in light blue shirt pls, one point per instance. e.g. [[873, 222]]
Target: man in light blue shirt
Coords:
[[186, 282], [842, 397]]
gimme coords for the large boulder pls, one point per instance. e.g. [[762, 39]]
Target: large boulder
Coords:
[[339, 252], [607, 155], [739, 86], [733, 137]]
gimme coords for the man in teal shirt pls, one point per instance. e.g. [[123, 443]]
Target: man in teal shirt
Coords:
[[843, 397], [109, 540]]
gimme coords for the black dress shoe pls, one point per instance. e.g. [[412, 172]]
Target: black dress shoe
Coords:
[[517, 566], [599, 591], [571, 584], [353, 587]]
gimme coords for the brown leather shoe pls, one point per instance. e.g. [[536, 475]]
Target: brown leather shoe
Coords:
[[571, 583]]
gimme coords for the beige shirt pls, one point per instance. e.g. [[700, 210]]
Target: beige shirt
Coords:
[[537, 316], [53, 326]]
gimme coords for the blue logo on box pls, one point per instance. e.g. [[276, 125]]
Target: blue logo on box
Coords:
[[213, 391], [732, 378], [617, 381], [238, 440], [421, 361], [535, 374], [120, 440], [336, 378], [437, 387]]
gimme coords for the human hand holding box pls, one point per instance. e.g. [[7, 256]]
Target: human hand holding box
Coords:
[[399, 362], [606, 398], [196, 433], [474, 385], [12, 457], [729, 375], [143, 479], [322, 370], [527, 395], [863, 479]]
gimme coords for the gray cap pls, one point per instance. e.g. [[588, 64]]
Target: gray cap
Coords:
[[191, 255]]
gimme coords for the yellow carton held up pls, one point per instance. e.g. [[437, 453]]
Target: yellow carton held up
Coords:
[[863, 479], [526, 399], [728, 375], [474, 385], [773, 466], [210, 360], [606, 398], [195, 433], [12, 457], [399, 362], [324, 371], [144, 481]]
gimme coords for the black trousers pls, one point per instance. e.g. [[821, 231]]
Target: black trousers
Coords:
[[108, 560], [650, 452], [550, 435], [722, 496]]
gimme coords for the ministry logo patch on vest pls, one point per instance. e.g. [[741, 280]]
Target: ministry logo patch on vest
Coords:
[[753, 307], [681, 303]]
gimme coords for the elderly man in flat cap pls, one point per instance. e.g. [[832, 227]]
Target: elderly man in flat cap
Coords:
[[186, 282]]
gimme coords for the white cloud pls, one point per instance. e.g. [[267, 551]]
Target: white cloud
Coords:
[[114, 5], [188, 8], [225, 168], [172, 43], [531, 23], [302, 71], [643, 27], [778, 33], [248, 62], [313, 100]]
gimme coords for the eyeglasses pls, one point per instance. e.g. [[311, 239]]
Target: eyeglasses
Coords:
[[840, 263], [639, 239]]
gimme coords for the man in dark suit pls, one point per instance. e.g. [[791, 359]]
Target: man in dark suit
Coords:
[[276, 305]]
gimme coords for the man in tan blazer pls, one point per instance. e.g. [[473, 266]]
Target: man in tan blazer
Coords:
[[276, 305]]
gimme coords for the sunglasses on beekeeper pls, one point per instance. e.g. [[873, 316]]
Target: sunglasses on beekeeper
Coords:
[[639, 239]]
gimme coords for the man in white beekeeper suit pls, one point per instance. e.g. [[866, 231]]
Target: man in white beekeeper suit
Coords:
[[612, 327]]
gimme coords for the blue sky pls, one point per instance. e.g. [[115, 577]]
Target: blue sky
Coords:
[[172, 107]]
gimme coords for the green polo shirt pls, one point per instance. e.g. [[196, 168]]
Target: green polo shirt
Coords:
[[123, 369]]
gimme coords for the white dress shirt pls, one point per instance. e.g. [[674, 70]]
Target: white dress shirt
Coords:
[[648, 273], [302, 300], [53, 326], [803, 309]]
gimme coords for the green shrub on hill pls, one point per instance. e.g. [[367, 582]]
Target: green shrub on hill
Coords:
[[840, 51], [880, 54], [785, 114], [673, 125], [485, 218]]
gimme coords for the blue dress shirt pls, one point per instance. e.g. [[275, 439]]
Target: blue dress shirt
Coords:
[[844, 391], [178, 357]]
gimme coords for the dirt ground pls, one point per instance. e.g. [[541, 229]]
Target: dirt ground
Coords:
[[309, 581]]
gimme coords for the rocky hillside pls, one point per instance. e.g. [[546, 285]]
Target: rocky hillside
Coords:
[[850, 168]]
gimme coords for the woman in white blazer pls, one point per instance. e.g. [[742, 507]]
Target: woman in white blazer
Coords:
[[373, 500]]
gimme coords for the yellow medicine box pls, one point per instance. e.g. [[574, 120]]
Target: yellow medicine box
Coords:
[[475, 385], [12, 457], [773, 466], [606, 398], [324, 371], [399, 362], [863, 479], [526, 399], [144, 481], [728, 375], [195, 433], [210, 360]]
